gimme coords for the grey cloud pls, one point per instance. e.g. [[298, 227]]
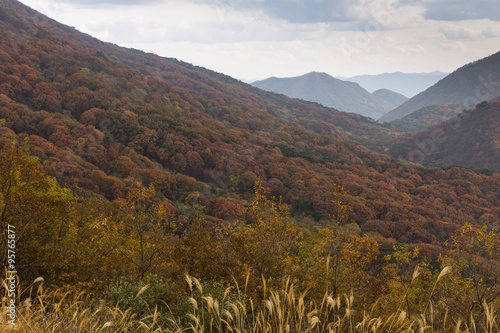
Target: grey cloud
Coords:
[[350, 14], [311, 11], [110, 2], [307, 11], [457, 33], [456, 10], [491, 33], [293, 11]]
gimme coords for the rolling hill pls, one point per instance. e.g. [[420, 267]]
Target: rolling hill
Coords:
[[426, 117], [328, 91], [394, 98], [469, 85]]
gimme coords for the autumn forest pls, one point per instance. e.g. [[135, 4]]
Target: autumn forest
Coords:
[[148, 190]]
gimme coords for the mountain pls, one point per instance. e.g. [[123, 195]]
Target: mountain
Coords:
[[407, 84], [154, 185], [101, 118], [328, 91], [426, 117], [469, 85], [471, 139], [394, 98]]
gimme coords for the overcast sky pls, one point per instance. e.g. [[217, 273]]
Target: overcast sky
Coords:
[[255, 39]]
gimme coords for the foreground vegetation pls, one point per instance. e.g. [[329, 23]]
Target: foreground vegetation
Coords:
[[282, 310], [129, 265]]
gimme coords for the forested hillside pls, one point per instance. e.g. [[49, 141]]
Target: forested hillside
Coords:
[[123, 171], [428, 116], [469, 139]]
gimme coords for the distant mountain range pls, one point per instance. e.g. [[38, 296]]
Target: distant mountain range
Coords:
[[407, 84], [469, 85], [331, 92]]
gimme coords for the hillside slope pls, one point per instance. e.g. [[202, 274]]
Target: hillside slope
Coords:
[[394, 98], [426, 117], [471, 139], [329, 91], [102, 119], [469, 85]]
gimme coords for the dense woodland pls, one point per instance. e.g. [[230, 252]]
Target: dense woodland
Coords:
[[122, 169], [426, 117], [470, 139]]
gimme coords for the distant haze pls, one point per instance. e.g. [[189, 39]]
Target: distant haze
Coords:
[[407, 84], [329, 91], [470, 84]]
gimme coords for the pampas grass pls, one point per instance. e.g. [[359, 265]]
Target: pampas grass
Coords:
[[283, 310]]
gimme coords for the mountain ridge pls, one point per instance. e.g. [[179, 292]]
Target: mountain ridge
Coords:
[[470, 139], [392, 97], [407, 84], [468, 85], [331, 92]]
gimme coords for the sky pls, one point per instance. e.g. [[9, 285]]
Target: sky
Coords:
[[256, 39]]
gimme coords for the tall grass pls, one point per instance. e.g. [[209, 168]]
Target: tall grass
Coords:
[[283, 310], [57, 310]]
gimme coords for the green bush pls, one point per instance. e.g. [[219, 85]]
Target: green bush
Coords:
[[142, 297]]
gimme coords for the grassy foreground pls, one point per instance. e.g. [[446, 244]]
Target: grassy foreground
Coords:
[[285, 310]]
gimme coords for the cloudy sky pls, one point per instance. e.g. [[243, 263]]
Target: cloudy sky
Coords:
[[255, 39]]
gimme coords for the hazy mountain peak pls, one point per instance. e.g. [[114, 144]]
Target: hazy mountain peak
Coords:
[[470, 84], [325, 89], [406, 84], [390, 96]]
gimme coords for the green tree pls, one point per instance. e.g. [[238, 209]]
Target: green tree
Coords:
[[41, 213], [474, 256], [145, 225], [265, 246]]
